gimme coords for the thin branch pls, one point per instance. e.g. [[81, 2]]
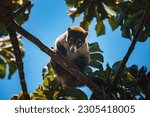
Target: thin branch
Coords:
[[132, 46], [8, 20], [19, 62], [18, 11], [70, 68]]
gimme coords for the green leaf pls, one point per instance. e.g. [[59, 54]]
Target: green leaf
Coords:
[[47, 82], [53, 88], [100, 27], [116, 66], [101, 10], [126, 32], [94, 47], [88, 70], [130, 77], [76, 94], [7, 54], [38, 97], [100, 74], [96, 64], [90, 11], [39, 91], [144, 36], [133, 70], [113, 23], [96, 56], [51, 70], [85, 24], [111, 5], [78, 8], [2, 68], [71, 3], [12, 68], [24, 15], [143, 71]]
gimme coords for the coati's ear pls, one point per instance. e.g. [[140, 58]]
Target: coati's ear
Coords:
[[69, 29], [86, 33]]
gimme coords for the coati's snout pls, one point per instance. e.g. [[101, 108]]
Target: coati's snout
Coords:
[[73, 49]]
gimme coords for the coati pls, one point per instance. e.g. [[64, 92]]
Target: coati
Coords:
[[73, 46]]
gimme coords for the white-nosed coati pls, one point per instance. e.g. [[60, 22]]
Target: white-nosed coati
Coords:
[[73, 46]]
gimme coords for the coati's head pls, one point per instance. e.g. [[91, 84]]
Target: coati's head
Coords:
[[76, 38]]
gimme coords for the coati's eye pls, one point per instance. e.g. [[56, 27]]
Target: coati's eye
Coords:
[[70, 40], [79, 43]]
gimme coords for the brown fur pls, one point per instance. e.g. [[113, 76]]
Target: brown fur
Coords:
[[64, 76]]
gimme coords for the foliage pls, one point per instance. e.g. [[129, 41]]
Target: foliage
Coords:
[[99, 9], [134, 84], [124, 13], [7, 57], [52, 90], [130, 18], [96, 59], [20, 18]]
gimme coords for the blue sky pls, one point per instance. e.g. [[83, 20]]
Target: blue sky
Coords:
[[47, 21]]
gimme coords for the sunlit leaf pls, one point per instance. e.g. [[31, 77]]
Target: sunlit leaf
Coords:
[[2, 68], [130, 77], [7, 54], [39, 91]]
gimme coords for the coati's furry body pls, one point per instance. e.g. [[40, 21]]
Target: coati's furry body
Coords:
[[73, 46]]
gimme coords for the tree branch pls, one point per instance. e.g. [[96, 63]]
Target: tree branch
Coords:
[[70, 68], [19, 62], [8, 20], [132, 46]]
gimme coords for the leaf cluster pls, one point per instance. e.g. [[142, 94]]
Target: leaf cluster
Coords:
[[124, 13], [130, 18], [52, 89], [98, 9], [7, 57], [134, 83], [20, 18]]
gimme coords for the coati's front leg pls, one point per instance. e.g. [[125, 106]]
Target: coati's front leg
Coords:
[[81, 62], [61, 50], [67, 79], [63, 53]]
